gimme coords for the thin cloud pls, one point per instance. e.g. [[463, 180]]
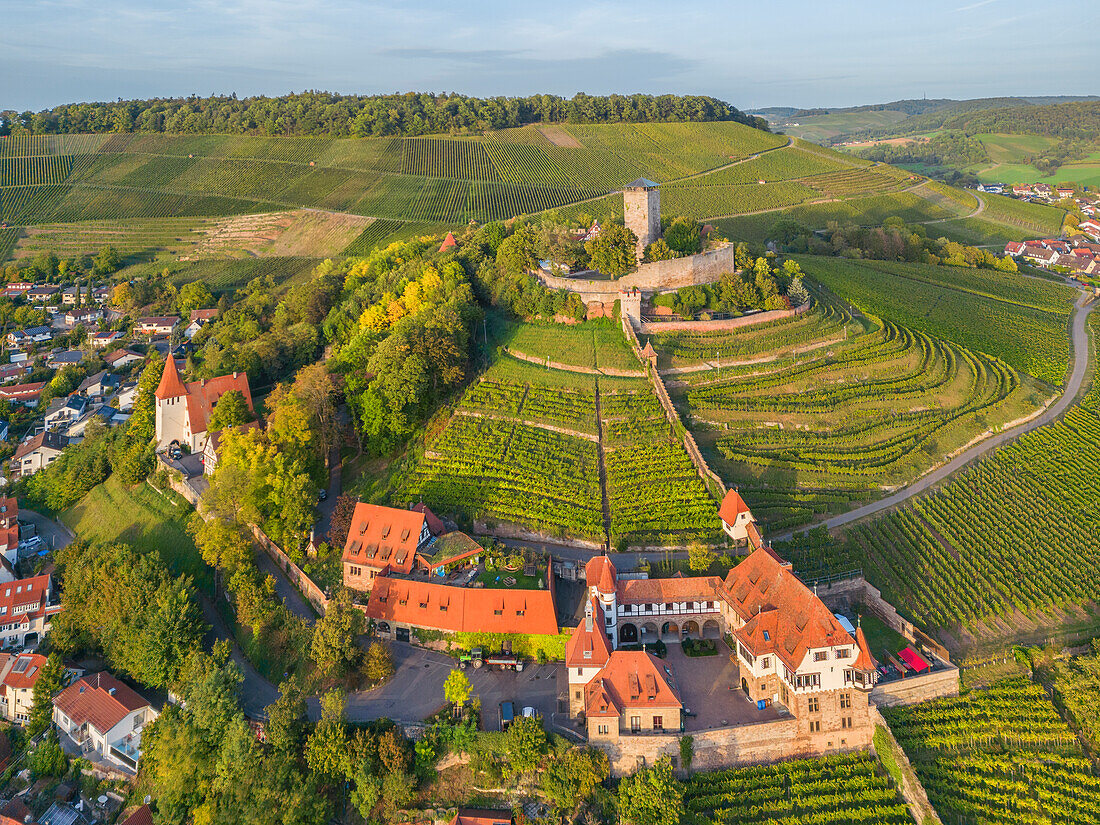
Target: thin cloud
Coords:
[[977, 5]]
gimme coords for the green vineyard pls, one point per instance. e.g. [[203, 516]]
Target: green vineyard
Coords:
[[998, 756], [851, 789]]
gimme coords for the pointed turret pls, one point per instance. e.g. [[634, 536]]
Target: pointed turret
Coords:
[[865, 667], [170, 385], [448, 243]]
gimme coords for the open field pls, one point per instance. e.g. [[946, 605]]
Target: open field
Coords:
[[822, 127], [1022, 321], [999, 755], [227, 274], [142, 518], [850, 788], [303, 232]]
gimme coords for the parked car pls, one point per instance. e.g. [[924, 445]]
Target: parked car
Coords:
[[507, 715]]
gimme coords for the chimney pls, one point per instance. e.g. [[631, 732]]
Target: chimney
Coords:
[[588, 618]]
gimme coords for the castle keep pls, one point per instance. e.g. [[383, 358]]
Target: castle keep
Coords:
[[642, 212]]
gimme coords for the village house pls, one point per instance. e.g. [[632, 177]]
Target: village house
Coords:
[[25, 394], [64, 358], [105, 717], [214, 443], [100, 384], [1064, 192], [197, 320], [63, 411], [156, 325], [69, 295], [18, 674], [100, 295], [1014, 248], [10, 372], [17, 289], [381, 540], [86, 316], [40, 295], [101, 340], [1090, 228], [481, 816], [9, 539], [122, 358], [183, 410], [38, 452], [30, 337], [26, 608]]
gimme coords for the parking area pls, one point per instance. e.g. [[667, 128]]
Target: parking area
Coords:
[[710, 687]]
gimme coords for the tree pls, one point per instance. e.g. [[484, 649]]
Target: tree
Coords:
[[683, 236], [195, 295], [519, 252], [652, 796], [107, 261], [700, 557], [571, 778], [379, 663], [687, 751], [327, 746], [286, 717], [230, 410], [47, 685], [613, 251], [394, 751], [335, 648], [457, 689], [797, 292], [48, 758], [525, 744], [659, 250]]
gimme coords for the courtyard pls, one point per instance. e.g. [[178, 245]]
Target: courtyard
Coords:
[[710, 688]]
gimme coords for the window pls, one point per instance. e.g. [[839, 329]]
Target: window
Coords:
[[845, 700], [815, 727], [498, 612], [602, 728], [766, 662], [635, 724], [843, 653], [577, 693], [580, 671], [520, 612], [658, 723], [356, 571], [821, 656], [846, 722], [813, 705], [669, 606]]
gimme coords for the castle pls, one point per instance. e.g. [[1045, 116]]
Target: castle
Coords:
[[642, 212], [183, 410]]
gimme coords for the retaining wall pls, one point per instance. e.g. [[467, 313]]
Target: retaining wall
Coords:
[[660, 276], [915, 689], [297, 576], [651, 327]]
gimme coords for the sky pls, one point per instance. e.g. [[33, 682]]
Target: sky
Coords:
[[795, 53]]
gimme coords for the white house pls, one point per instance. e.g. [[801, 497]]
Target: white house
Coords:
[[122, 358], [31, 456], [18, 674], [183, 410], [736, 516], [104, 716]]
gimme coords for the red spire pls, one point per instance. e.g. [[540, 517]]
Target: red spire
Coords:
[[864, 661], [448, 243], [170, 384]]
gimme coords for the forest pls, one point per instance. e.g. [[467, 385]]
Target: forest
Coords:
[[327, 114]]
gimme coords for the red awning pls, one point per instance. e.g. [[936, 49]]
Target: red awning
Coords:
[[913, 660]]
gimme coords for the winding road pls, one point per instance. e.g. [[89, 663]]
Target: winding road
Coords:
[[1080, 347]]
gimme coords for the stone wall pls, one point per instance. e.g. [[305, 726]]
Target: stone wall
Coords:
[[651, 327], [297, 576], [917, 689], [760, 743], [660, 276]]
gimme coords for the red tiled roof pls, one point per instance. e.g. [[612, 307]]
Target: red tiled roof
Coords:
[[600, 573], [480, 816], [118, 355], [16, 812], [462, 609], [448, 243], [383, 538], [100, 700], [732, 506], [676, 589], [864, 661], [22, 392], [588, 646], [631, 679], [770, 599], [48, 438], [435, 525], [203, 314], [203, 395], [142, 816], [25, 670], [170, 385]]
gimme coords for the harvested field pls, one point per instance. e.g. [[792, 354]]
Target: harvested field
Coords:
[[559, 137], [302, 232]]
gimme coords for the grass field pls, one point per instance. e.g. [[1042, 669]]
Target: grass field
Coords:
[[144, 519], [822, 127]]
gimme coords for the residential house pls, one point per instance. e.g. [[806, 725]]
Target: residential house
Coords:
[[63, 358], [38, 452], [64, 411], [100, 384], [25, 394], [69, 294], [633, 693], [18, 289], [101, 340], [27, 607], [1021, 190], [481, 816], [199, 318], [126, 396], [214, 443], [16, 812], [736, 516], [1090, 228], [157, 325], [380, 540], [40, 295], [122, 358], [141, 816], [10, 372], [100, 295], [30, 337], [86, 316], [18, 674], [1043, 190], [9, 533], [1064, 192], [1040, 256], [183, 410], [104, 716], [1014, 248]]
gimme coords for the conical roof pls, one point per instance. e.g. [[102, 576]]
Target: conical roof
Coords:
[[448, 243], [864, 661], [170, 385]]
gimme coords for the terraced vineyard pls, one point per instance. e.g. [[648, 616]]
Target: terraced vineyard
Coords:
[[845, 790], [999, 755], [1022, 321], [833, 408], [1033, 217]]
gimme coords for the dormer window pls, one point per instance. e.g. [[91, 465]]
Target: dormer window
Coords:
[[843, 653], [821, 656]]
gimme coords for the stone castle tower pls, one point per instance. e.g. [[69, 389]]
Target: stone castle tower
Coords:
[[642, 212]]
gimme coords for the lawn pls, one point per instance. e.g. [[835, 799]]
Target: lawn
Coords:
[[143, 518]]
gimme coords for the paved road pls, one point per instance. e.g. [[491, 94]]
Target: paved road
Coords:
[[256, 692], [292, 597], [54, 533], [1080, 347]]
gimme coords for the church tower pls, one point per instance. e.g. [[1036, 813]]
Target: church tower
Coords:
[[642, 212]]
